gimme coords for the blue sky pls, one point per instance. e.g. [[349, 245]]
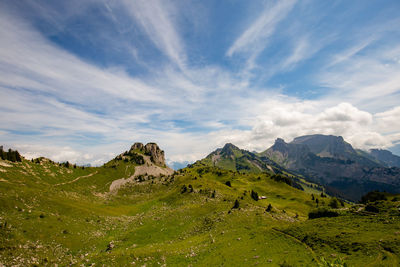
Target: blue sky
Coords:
[[81, 80]]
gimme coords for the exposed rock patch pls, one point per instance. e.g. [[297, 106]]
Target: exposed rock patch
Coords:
[[153, 164]]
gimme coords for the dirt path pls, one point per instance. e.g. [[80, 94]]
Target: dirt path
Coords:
[[298, 241], [76, 179]]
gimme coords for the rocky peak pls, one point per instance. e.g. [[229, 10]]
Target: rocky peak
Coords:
[[326, 145], [228, 147], [280, 145], [280, 140], [152, 150], [137, 146], [155, 153]]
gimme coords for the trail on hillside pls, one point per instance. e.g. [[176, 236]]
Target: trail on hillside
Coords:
[[77, 179], [298, 241]]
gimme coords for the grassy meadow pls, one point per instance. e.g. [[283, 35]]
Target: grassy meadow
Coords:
[[51, 215]]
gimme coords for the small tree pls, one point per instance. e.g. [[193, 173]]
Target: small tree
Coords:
[[17, 156], [183, 189], [254, 195], [312, 197], [228, 183], [334, 203], [269, 208], [236, 205]]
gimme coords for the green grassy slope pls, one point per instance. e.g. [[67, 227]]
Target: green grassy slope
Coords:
[[51, 214]]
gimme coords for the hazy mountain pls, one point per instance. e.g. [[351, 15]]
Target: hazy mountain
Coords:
[[334, 163], [386, 157], [176, 165]]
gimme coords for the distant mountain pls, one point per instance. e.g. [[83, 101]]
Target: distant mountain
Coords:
[[176, 165], [334, 163], [233, 158], [386, 157]]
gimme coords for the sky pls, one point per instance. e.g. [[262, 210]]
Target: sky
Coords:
[[82, 80]]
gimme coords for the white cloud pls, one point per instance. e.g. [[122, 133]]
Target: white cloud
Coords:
[[65, 101], [156, 18], [255, 38], [367, 80]]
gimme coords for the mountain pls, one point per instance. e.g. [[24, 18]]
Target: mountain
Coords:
[[334, 163], [232, 158], [177, 165], [54, 214], [386, 157]]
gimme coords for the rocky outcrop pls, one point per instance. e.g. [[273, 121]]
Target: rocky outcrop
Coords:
[[152, 164], [152, 150], [155, 153], [137, 146]]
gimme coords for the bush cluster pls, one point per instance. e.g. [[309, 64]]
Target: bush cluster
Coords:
[[11, 155], [322, 212]]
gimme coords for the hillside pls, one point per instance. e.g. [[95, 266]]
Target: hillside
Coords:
[[235, 159], [332, 162], [202, 215]]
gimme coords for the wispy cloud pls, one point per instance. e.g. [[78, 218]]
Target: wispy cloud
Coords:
[[255, 38], [62, 103], [156, 19]]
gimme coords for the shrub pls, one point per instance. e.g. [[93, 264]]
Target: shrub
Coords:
[[236, 205], [373, 196], [183, 189], [371, 208], [334, 203], [254, 195], [269, 208], [281, 178], [322, 212]]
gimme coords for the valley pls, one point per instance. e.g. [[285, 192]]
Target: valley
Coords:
[[52, 214]]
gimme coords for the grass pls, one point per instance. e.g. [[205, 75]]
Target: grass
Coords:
[[51, 214]]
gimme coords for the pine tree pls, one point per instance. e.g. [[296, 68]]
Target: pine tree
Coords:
[[18, 156], [236, 205], [254, 195]]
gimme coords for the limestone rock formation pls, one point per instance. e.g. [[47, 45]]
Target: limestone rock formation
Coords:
[[152, 150], [137, 146], [155, 153]]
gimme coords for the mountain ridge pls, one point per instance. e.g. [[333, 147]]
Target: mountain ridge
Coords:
[[334, 163]]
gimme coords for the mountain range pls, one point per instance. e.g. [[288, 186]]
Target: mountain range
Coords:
[[232, 208], [323, 159]]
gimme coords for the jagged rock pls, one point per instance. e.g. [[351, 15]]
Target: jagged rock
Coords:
[[152, 150], [137, 146], [155, 153]]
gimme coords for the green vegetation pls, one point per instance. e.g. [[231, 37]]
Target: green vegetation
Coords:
[[51, 213], [10, 155]]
